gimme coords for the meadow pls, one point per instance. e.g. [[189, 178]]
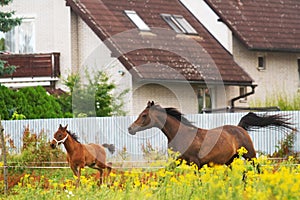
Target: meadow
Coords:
[[277, 180]]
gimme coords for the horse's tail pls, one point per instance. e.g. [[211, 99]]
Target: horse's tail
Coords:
[[253, 121], [111, 148]]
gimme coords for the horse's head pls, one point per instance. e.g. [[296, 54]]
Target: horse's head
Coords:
[[60, 136], [147, 119]]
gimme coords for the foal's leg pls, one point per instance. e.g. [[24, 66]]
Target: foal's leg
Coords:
[[108, 167], [101, 176], [77, 172]]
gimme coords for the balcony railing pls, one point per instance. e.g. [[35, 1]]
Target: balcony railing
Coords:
[[32, 69]]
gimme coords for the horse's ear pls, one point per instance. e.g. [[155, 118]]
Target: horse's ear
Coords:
[[63, 128], [149, 104], [152, 103]]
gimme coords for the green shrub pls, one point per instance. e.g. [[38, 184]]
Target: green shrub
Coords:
[[29, 102], [99, 88], [35, 151], [39, 104]]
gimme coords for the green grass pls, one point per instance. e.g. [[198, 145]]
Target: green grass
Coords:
[[240, 181], [284, 101]]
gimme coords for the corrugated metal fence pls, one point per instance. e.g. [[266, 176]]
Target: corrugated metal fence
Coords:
[[113, 130]]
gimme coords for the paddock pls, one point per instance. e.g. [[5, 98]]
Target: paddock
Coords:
[[113, 130]]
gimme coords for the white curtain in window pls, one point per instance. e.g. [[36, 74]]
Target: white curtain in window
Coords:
[[21, 38]]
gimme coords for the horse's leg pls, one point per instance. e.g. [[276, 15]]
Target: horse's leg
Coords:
[[77, 173], [78, 176], [108, 167], [231, 159], [101, 176], [250, 155]]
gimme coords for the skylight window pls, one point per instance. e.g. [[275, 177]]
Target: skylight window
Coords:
[[179, 24], [137, 20]]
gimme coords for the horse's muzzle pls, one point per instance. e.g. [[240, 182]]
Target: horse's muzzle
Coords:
[[53, 146], [131, 131]]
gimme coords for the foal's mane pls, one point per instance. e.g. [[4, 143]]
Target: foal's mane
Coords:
[[177, 115], [73, 135]]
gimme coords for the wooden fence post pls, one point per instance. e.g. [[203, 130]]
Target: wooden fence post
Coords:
[[4, 158]]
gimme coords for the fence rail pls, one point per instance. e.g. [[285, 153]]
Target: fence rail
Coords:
[[113, 130]]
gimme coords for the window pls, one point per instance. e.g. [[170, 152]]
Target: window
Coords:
[[298, 71], [204, 100], [261, 63], [179, 24], [137, 20], [243, 91], [21, 39]]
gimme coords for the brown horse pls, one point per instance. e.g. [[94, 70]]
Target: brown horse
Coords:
[[81, 155], [200, 146]]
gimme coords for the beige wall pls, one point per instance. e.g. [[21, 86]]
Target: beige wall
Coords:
[[180, 96], [281, 74], [89, 54]]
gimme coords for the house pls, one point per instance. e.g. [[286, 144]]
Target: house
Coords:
[[263, 37], [157, 49], [166, 54], [40, 46]]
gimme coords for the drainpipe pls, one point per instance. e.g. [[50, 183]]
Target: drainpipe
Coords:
[[242, 96]]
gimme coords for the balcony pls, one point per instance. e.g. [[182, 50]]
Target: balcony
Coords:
[[32, 69]]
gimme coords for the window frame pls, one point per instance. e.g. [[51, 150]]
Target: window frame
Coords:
[[243, 91], [261, 63], [137, 20], [298, 66], [179, 24]]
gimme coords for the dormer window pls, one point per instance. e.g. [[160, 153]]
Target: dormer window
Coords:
[[137, 20], [179, 24]]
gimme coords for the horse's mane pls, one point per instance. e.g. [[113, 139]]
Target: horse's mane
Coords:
[[73, 135], [179, 116]]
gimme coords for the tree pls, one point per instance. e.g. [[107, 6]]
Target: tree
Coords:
[[93, 99], [7, 22]]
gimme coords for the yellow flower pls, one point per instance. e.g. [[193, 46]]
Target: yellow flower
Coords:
[[26, 176], [113, 174], [28, 185], [174, 180], [161, 173], [137, 182], [153, 183], [169, 173], [241, 151]]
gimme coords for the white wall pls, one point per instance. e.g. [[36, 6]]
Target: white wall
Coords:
[[210, 21], [52, 27]]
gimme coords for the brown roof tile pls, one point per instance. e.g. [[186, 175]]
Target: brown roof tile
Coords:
[[262, 24], [160, 54]]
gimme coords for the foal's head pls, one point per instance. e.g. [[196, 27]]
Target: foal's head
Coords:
[[148, 119], [60, 136]]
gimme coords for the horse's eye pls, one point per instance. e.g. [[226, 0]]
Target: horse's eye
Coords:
[[144, 115]]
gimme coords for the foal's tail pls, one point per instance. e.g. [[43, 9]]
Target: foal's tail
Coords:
[[253, 121], [111, 148]]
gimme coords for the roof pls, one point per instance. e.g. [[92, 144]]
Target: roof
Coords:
[[262, 24], [160, 54]]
